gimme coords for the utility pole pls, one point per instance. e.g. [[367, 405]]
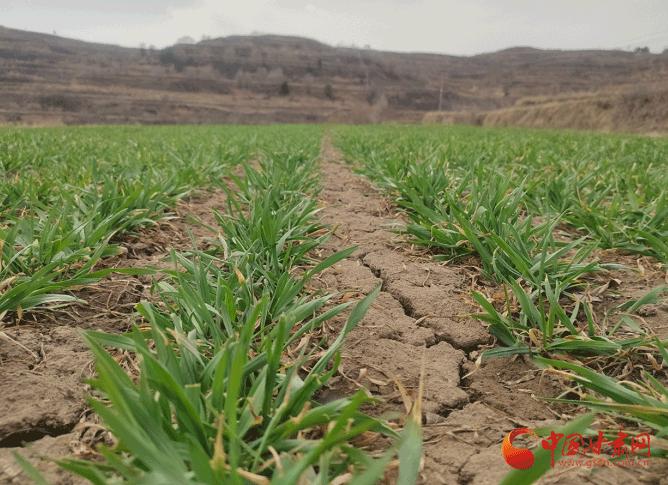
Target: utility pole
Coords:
[[440, 96], [365, 67]]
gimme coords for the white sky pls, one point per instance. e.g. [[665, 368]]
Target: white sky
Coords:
[[448, 26]]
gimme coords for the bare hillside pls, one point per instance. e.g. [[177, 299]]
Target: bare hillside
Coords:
[[48, 79]]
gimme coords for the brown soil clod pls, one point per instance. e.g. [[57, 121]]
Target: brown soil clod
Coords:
[[40, 453], [432, 293], [46, 397]]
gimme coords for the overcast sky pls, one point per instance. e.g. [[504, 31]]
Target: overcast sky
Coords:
[[447, 26]]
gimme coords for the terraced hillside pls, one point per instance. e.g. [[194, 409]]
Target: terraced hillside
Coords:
[[48, 79]]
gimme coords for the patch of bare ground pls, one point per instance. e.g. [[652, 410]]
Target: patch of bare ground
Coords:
[[639, 276], [423, 311], [44, 361]]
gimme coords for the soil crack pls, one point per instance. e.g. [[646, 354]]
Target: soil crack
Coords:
[[391, 340], [22, 437]]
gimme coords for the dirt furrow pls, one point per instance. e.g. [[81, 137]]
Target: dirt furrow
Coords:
[[421, 310]]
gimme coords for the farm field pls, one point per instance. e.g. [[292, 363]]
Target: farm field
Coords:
[[306, 304]]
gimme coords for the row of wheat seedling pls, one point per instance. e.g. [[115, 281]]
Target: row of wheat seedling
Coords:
[[227, 374], [67, 196], [536, 209], [610, 188]]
